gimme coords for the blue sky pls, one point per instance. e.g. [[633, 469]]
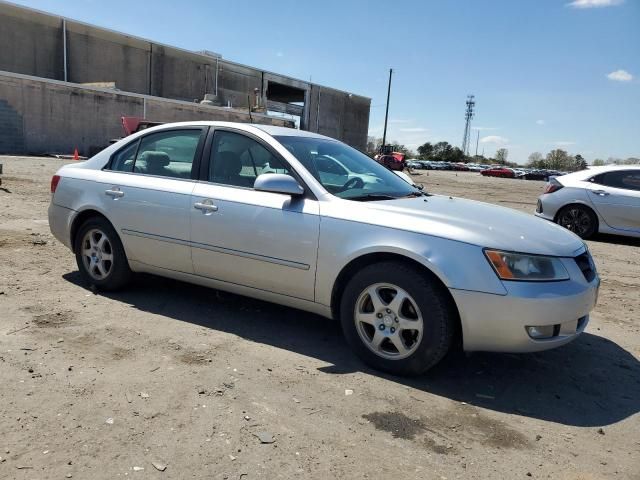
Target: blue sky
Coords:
[[546, 73]]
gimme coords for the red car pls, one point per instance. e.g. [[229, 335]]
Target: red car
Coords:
[[460, 167], [498, 172], [393, 160]]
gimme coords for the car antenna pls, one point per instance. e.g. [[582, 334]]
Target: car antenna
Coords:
[[249, 104]]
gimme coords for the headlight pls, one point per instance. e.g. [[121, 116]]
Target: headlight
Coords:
[[530, 268]]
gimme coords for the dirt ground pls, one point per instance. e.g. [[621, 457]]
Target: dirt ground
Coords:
[[172, 375]]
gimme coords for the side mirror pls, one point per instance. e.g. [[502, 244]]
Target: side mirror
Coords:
[[278, 183]]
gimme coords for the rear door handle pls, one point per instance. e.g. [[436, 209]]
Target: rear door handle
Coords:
[[206, 206], [114, 192], [602, 193]]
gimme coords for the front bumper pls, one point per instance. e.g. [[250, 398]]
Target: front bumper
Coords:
[[498, 323]]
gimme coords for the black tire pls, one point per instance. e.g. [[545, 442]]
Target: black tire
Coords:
[[439, 317], [578, 219], [118, 272]]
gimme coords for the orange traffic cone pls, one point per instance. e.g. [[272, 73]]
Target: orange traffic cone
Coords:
[[75, 154]]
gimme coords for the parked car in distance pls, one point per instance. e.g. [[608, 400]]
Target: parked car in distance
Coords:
[[537, 175], [599, 199], [461, 167], [393, 161], [438, 165], [502, 172], [264, 211], [413, 164]]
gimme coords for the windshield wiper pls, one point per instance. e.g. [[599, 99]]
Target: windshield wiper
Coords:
[[371, 197], [419, 193]]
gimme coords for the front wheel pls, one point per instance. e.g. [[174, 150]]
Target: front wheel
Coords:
[[397, 319], [100, 255], [579, 219]]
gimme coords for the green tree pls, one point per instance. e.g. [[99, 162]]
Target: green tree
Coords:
[[579, 162], [598, 162], [536, 160], [558, 159], [398, 147], [501, 156], [442, 151], [456, 155], [425, 151]]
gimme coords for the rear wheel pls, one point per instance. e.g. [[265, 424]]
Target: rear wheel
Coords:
[[579, 219], [397, 319], [100, 255]]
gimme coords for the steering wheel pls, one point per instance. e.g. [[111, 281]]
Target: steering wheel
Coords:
[[355, 182]]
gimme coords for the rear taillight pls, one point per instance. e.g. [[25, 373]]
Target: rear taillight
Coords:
[[54, 183], [552, 186]]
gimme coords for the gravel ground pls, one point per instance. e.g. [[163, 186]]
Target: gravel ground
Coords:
[[170, 380]]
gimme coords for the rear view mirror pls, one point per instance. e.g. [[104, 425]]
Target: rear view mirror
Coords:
[[278, 183]]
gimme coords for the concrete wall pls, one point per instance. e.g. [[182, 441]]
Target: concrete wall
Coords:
[[340, 115], [95, 55], [32, 43], [44, 116]]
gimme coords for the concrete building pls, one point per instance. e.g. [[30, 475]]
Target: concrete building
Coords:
[[65, 84]]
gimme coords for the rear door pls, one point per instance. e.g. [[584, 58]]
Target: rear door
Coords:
[[263, 240], [146, 190], [616, 197]]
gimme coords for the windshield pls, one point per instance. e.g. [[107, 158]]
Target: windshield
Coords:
[[344, 171]]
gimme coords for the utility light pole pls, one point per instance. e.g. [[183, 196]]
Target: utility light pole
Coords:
[[386, 115], [468, 115]]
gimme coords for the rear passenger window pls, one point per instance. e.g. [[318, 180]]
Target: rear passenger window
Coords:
[[165, 154], [123, 160]]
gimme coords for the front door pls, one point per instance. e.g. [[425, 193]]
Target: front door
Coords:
[[616, 196], [263, 240]]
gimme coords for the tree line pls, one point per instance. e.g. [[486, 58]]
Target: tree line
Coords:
[[556, 159]]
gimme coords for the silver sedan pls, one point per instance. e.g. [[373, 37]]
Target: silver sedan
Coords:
[[302, 220], [600, 199]]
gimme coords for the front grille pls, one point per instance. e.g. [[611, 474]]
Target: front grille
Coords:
[[586, 266]]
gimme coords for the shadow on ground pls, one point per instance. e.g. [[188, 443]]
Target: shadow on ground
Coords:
[[590, 382], [616, 239]]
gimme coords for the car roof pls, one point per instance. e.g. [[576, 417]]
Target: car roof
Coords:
[[591, 171], [606, 168], [268, 129], [287, 132]]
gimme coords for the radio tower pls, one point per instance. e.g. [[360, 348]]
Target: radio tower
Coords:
[[468, 115]]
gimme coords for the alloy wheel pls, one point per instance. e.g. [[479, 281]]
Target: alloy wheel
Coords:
[[576, 220], [388, 321], [97, 254]]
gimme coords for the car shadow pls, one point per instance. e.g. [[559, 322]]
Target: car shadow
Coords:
[[616, 239], [590, 382]]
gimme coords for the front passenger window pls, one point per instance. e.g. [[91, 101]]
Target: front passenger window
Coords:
[[237, 160]]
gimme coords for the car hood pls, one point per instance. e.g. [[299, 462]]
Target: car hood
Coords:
[[468, 221]]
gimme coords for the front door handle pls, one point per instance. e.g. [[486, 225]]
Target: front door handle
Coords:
[[602, 193], [206, 206], [114, 192]]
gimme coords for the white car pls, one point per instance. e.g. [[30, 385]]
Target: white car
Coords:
[[600, 199]]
